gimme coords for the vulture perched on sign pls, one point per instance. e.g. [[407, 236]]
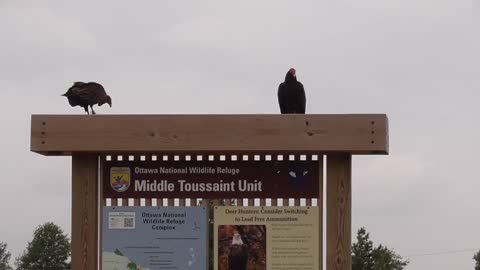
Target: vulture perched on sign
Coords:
[[238, 256], [291, 95], [86, 95]]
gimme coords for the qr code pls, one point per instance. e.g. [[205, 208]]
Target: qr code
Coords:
[[128, 222]]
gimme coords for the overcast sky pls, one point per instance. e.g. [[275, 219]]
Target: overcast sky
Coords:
[[416, 60]]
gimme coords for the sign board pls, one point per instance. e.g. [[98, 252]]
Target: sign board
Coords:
[[137, 238], [210, 179], [268, 238]]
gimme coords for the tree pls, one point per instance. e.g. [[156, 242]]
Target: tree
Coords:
[[4, 257], [362, 251], [49, 250], [476, 257], [366, 257], [386, 259]]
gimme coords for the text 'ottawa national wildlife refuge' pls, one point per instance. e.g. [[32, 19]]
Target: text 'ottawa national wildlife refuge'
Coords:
[[210, 179]]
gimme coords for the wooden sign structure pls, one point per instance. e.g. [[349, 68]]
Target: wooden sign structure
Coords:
[[87, 138]]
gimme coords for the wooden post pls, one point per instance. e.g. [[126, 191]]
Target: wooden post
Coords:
[[84, 212], [339, 208]]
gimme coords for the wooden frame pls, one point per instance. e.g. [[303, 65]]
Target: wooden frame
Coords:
[[86, 138], [67, 134]]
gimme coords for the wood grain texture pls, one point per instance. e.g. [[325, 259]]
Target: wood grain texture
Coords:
[[66, 134], [85, 212], [339, 212]]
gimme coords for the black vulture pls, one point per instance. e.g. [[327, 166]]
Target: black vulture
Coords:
[[87, 94], [291, 95]]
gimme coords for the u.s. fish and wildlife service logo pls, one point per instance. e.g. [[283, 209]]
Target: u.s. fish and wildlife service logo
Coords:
[[120, 178]]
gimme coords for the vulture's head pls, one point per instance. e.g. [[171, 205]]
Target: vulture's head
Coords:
[[292, 71], [107, 99], [291, 75]]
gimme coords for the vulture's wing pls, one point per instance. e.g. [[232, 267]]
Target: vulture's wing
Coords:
[[85, 94], [97, 88], [282, 97], [302, 100]]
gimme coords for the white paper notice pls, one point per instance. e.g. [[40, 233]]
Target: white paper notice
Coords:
[[121, 220]]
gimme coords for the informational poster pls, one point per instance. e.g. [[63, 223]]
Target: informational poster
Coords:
[[210, 179], [266, 238], [154, 238]]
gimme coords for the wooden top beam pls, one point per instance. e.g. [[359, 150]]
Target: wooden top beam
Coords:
[[309, 133]]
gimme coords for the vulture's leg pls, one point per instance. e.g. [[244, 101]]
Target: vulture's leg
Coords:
[[91, 107], [86, 109]]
